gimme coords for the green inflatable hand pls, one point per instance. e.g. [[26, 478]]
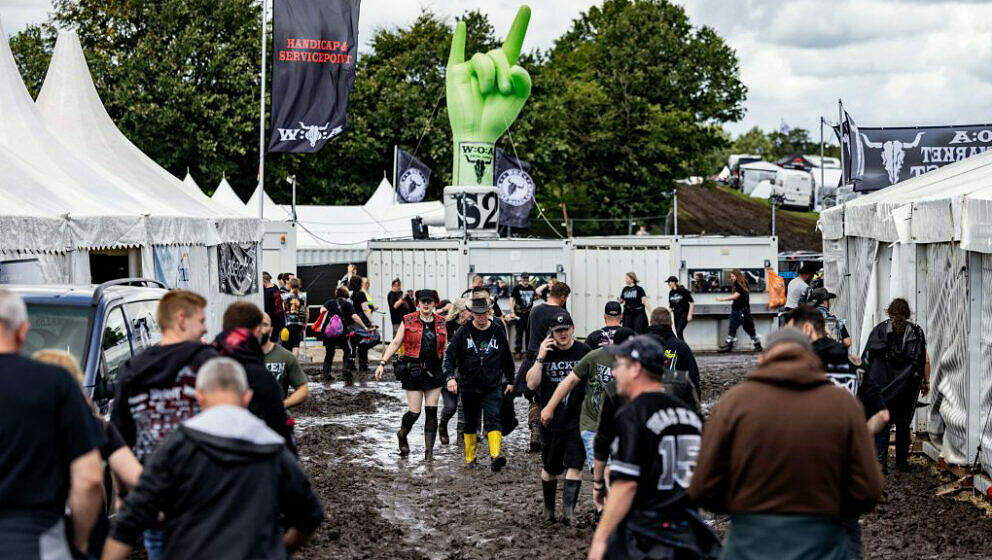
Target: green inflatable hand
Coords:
[[484, 95]]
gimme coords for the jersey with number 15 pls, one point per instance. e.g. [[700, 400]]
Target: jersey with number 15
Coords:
[[657, 445]]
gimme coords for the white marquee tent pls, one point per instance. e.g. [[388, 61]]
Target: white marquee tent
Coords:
[[929, 240], [226, 197]]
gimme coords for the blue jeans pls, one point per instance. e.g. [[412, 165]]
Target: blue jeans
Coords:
[[587, 439], [153, 544]]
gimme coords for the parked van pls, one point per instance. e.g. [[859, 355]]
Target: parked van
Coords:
[[796, 188]]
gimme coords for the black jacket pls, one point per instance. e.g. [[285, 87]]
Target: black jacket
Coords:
[[479, 369], [222, 481], [842, 371], [896, 364], [266, 401], [677, 351], [145, 417]]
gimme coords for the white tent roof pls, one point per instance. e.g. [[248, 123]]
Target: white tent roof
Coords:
[[69, 104], [381, 217], [272, 210], [225, 196], [761, 166], [951, 203]]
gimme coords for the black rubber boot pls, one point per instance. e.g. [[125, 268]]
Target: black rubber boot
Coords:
[[570, 497], [442, 429], [430, 431], [550, 488], [408, 421], [757, 344]]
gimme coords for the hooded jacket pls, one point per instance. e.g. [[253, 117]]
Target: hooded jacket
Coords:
[[787, 441], [156, 392], [479, 369], [222, 481], [896, 364], [266, 402], [677, 353]]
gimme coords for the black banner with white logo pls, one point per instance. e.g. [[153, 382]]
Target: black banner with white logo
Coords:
[[238, 268], [315, 48], [875, 158], [516, 190], [412, 177]]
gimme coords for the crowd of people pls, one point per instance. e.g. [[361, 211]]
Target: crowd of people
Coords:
[[200, 442]]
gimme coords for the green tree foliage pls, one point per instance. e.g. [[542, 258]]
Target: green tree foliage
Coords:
[[628, 100]]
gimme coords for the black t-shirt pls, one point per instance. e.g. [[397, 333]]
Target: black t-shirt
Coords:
[[604, 336], [556, 367], [523, 298], [656, 445], [358, 297], [342, 308], [114, 442], [428, 346], [632, 297], [742, 303], [538, 324], [679, 300], [46, 424], [273, 305], [396, 314]]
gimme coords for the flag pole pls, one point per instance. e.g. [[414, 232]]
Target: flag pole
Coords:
[[840, 123], [261, 121], [396, 193], [822, 174]]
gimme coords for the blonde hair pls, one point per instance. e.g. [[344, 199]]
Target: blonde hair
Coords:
[[365, 283], [633, 276], [457, 306], [60, 358], [178, 301]]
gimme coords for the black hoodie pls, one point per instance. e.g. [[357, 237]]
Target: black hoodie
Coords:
[[266, 402], [156, 392], [677, 352], [223, 480]]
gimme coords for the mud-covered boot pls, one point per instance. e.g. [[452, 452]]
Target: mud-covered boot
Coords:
[[550, 489], [757, 344], [408, 421], [535, 438], [570, 497], [442, 431], [430, 431], [727, 346]]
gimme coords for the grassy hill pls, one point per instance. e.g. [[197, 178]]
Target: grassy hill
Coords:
[[723, 211]]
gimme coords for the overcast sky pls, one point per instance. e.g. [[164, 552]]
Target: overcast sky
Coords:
[[894, 63]]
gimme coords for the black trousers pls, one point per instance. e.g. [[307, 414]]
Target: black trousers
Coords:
[[741, 319], [331, 345], [489, 403], [903, 441], [451, 407], [521, 337], [681, 320]]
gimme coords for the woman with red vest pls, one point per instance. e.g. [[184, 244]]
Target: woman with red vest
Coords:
[[424, 336]]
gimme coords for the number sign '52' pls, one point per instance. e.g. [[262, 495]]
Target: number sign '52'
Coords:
[[473, 208]]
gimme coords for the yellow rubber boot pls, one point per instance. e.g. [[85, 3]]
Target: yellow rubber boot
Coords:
[[495, 450], [471, 441]]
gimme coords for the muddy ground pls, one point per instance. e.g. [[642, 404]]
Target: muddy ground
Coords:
[[381, 506]]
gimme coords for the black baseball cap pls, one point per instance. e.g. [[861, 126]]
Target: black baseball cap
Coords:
[[426, 295], [672, 279], [809, 268], [820, 295], [524, 275], [562, 320], [613, 309], [643, 349]]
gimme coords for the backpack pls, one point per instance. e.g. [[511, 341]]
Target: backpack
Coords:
[[333, 326]]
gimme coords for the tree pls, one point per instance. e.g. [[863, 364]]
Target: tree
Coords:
[[630, 99], [756, 142]]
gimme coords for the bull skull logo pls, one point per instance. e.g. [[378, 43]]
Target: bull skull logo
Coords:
[[893, 154], [313, 133]]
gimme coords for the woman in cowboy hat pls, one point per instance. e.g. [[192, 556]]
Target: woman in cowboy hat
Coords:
[[478, 366]]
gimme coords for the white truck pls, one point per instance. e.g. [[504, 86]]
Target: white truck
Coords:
[[796, 188]]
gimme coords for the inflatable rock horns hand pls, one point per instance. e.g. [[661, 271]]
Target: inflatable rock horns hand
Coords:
[[485, 95]]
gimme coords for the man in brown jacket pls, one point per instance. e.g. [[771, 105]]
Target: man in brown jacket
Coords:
[[788, 455]]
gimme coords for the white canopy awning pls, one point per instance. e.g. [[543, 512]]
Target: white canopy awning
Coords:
[[69, 104]]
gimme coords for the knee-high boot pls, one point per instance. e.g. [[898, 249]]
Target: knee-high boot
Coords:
[[430, 432], [409, 419]]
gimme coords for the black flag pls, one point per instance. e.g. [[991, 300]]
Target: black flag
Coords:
[[315, 46], [516, 190], [412, 176], [853, 149]]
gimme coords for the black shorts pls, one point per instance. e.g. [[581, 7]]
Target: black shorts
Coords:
[[562, 450], [295, 336]]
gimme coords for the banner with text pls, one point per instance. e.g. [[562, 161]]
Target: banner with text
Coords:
[[315, 48], [891, 155], [516, 190]]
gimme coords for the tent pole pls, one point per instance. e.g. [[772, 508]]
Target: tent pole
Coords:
[[820, 189], [261, 121]]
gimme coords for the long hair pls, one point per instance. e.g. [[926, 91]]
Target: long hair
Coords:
[[899, 312], [355, 284], [633, 276], [457, 306], [741, 280]]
